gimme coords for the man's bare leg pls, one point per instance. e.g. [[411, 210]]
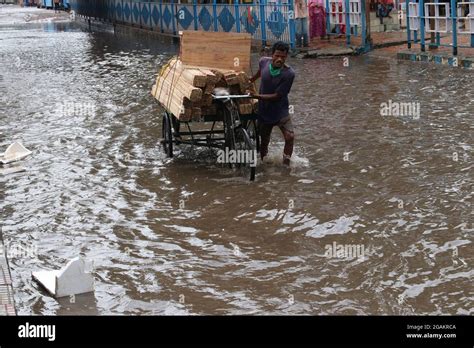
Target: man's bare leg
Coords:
[[265, 134], [289, 143]]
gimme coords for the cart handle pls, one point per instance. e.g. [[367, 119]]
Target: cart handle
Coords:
[[230, 96]]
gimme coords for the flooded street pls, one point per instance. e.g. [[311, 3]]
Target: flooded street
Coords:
[[188, 236]]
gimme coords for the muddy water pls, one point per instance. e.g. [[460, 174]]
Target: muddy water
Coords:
[[185, 236]]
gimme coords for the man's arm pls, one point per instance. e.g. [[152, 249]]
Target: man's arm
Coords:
[[255, 77], [268, 97]]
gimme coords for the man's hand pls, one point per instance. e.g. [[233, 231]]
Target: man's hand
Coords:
[[249, 87], [252, 93]]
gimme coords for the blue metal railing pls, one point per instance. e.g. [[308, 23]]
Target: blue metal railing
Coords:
[[264, 21], [450, 19]]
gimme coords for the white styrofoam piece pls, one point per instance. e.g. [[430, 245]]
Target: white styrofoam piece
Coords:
[[72, 279], [15, 152], [47, 279], [12, 170]]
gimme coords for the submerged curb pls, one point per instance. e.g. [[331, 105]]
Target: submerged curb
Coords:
[[437, 58]]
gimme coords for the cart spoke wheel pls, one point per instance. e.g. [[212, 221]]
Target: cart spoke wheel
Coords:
[[252, 130], [247, 153], [167, 135]]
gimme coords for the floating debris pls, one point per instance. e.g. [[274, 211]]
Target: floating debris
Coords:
[[15, 152], [70, 280]]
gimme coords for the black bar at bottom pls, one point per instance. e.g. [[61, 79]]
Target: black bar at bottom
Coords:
[[450, 331]]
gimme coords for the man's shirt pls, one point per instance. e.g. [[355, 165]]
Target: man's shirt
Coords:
[[271, 112]]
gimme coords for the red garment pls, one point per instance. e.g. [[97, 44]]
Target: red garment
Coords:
[[317, 16]]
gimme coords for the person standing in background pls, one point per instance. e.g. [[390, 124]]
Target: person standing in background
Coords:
[[317, 16], [301, 22]]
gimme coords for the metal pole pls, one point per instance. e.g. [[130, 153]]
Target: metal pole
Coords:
[[150, 18], [348, 23], [471, 8], [408, 24], [262, 22], [328, 24], [455, 34], [432, 13], [291, 22], [237, 15], [438, 35], [421, 11], [214, 14], [366, 18], [195, 14], [174, 18], [161, 16], [140, 8]]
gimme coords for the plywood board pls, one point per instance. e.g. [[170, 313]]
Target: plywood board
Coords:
[[216, 50]]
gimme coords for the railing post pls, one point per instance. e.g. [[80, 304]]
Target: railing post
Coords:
[[328, 18], [149, 16], [140, 8], [415, 32], [262, 22], [356, 27], [438, 35], [471, 24], [455, 34], [291, 22], [174, 16], [348, 23], [237, 15], [363, 19], [421, 12], [214, 15], [161, 16], [408, 23], [195, 14]]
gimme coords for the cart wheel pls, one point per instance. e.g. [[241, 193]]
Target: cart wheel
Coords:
[[176, 125], [252, 130], [243, 142], [229, 135], [167, 135]]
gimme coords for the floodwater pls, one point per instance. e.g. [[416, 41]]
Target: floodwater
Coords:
[[187, 236]]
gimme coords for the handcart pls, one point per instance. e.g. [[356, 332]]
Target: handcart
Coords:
[[229, 131]]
